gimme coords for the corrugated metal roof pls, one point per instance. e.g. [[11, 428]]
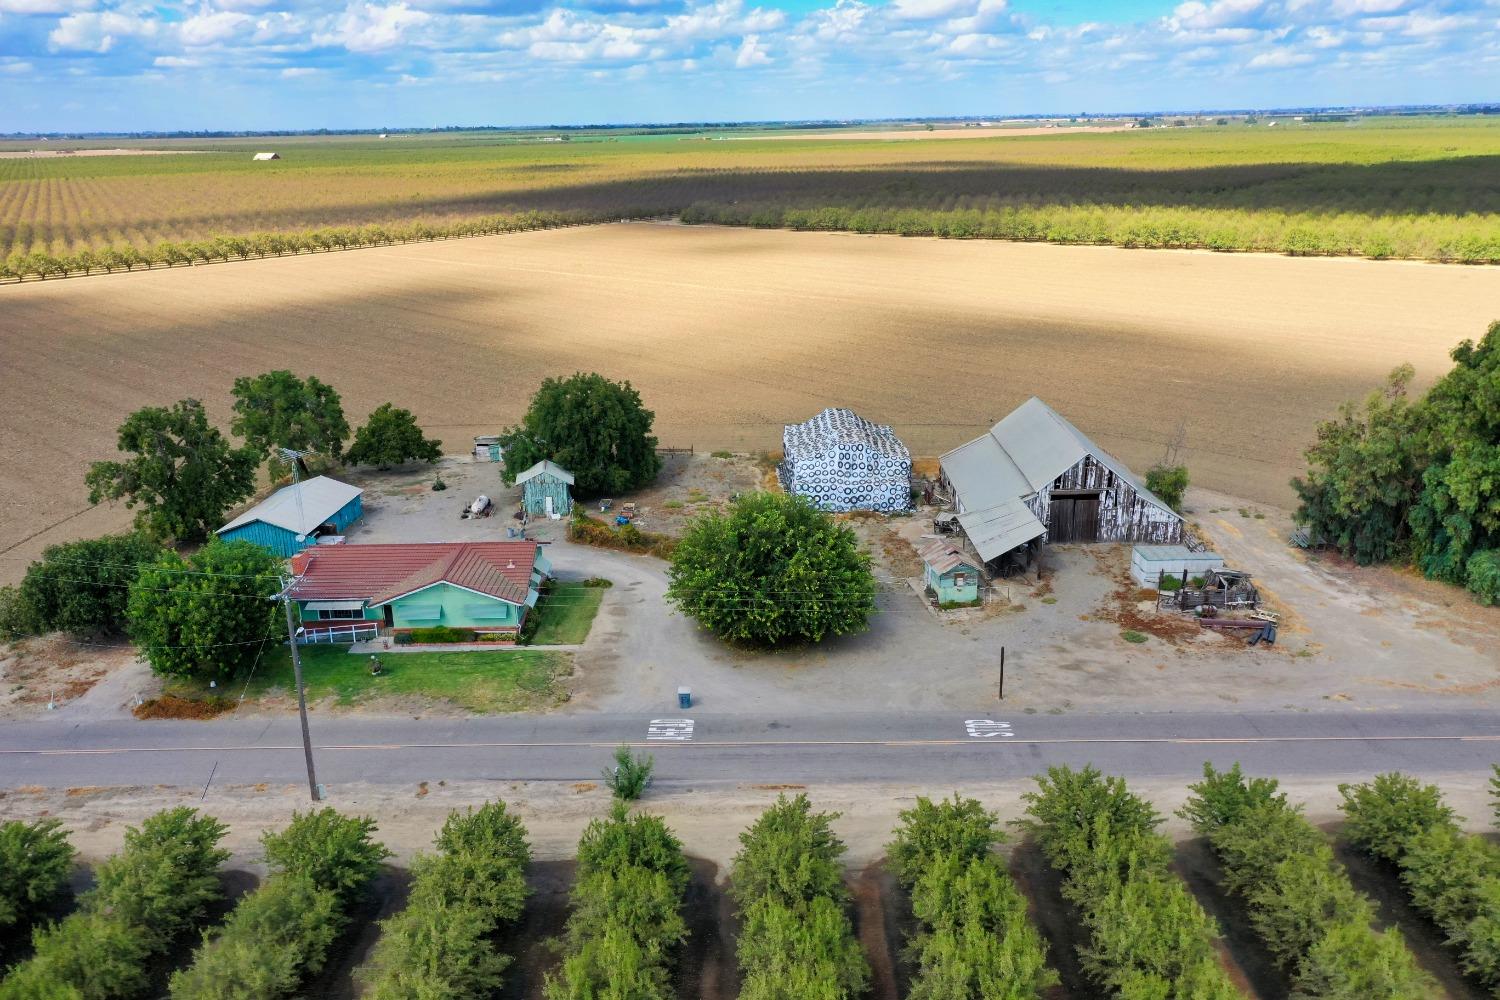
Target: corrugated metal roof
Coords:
[[545, 466], [299, 508], [381, 573], [945, 556], [996, 530], [1023, 454]]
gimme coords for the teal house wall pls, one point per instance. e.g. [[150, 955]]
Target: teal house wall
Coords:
[[454, 607], [959, 585], [282, 541]]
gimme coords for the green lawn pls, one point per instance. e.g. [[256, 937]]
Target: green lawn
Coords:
[[565, 614], [480, 680]]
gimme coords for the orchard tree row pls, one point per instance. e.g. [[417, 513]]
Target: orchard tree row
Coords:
[[1144, 934]]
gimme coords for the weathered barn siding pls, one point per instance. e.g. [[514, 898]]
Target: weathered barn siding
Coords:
[[1124, 516]]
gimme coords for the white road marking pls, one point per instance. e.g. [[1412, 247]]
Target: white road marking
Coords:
[[670, 730], [984, 729]]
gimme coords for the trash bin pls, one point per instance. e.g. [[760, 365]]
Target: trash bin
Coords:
[[684, 697]]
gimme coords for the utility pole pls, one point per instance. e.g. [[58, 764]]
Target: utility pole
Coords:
[[291, 635]]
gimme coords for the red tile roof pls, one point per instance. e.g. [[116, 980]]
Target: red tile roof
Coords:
[[381, 573]]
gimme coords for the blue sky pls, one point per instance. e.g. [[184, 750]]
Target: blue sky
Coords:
[[209, 64]]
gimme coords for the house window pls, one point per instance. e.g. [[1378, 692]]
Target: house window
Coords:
[[341, 615], [960, 579]]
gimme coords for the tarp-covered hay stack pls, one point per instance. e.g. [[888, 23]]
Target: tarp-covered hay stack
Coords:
[[842, 462]]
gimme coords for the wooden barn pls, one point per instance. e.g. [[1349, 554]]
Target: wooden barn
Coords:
[[546, 489], [1070, 488]]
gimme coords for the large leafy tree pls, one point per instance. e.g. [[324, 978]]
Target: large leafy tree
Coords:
[[279, 410], [596, 429], [391, 437], [35, 863], [207, 616], [179, 470], [81, 587], [772, 570]]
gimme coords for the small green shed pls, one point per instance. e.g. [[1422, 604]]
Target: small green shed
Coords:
[[950, 575], [546, 489]]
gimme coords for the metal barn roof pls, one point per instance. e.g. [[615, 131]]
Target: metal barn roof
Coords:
[[945, 556], [548, 467], [299, 508], [996, 530], [1024, 453]]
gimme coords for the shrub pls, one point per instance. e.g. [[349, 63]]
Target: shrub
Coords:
[[1482, 576], [774, 569], [17, 619], [442, 944], [587, 531], [630, 776], [440, 634], [144, 898], [333, 850], [626, 921], [1300, 902], [83, 587], [1452, 878], [1169, 483], [1148, 937], [276, 937], [975, 939], [36, 861], [598, 582], [796, 940]]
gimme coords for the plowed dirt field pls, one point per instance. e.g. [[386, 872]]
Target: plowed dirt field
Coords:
[[729, 333]]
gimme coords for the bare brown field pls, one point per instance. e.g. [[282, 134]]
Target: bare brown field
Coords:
[[730, 333]]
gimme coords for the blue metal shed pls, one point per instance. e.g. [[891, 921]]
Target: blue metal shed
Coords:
[[296, 516]]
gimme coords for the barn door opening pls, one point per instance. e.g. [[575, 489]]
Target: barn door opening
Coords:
[[1074, 517]]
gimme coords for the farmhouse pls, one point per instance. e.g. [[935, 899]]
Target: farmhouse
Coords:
[[361, 589], [266, 156], [950, 576], [545, 489], [1034, 475], [296, 516], [842, 462]]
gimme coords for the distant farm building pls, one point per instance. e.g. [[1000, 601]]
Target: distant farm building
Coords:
[[297, 516], [1036, 476], [546, 489], [487, 448], [266, 156], [356, 591], [842, 462]]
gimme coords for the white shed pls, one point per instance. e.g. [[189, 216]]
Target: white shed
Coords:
[[1149, 562], [266, 156]]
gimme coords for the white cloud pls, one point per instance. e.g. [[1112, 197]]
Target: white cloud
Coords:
[[929, 10], [1347, 8], [1280, 59], [97, 31], [210, 29], [298, 72], [16, 67], [1219, 14], [751, 53], [370, 27], [44, 6], [175, 62]]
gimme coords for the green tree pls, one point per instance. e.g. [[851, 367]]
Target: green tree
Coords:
[[158, 886], [1169, 483], [596, 429], [36, 861], [1384, 814], [181, 472], [335, 851], [209, 616], [773, 570], [279, 410], [82, 587], [391, 437]]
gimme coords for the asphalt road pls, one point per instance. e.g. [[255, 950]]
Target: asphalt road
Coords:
[[692, 748]]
